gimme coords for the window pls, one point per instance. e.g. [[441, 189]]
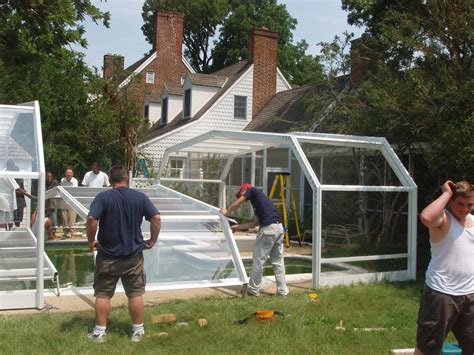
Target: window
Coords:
[[240, 107], [176, 167], [164, 111], [146, 112], [150, 77], [187, 104]]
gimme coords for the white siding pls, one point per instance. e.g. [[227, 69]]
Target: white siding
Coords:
[[154, 112], [199, 96], [175, 106], [220, 116], [281, 84]]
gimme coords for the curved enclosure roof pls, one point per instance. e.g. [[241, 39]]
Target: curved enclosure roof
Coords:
[[194, 249]]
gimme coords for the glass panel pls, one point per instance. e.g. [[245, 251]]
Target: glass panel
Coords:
[[364, 223], [364, 267], [191, 249], [277, 158], [17, 139], [18, 261], [349, 166]]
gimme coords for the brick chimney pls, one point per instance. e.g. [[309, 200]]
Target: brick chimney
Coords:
[[263, 51], [360, 61], [168, 33], [112, 64]]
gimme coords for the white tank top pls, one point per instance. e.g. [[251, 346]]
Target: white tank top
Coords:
[[451, 269]]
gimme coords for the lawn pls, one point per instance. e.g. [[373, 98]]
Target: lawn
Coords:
[[309, 327]]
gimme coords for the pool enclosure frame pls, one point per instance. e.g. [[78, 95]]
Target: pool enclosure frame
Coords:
[[231, 144], [34, 238], [199, 211]]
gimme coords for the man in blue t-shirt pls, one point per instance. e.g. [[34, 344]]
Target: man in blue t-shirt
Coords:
[[119, 212], [269, 241]]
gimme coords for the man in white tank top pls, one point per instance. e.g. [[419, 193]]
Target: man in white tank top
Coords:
[[447, 303]]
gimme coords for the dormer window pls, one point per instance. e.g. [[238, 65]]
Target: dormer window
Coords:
[[187, 104], [146, 112], [150, 77], [240, 107], [164, 111]]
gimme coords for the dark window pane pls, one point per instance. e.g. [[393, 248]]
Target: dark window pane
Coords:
[[240, 107]]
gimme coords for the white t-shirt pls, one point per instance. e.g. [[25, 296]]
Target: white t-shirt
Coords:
[[7, 199], [95, 180], [451, 268], [72, 183]]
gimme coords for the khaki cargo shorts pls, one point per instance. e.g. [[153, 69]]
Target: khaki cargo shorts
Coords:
[[109, 270]]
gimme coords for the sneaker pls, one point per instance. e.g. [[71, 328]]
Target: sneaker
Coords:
[[137, 336], [98, 338]]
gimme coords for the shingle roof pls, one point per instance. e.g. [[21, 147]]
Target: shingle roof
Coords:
[[208, 79], [174, 89], [153, 97], [139, 62], [286, 112], [233, 73]]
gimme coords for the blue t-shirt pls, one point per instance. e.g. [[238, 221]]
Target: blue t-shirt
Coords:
[[263, 207], [120, 212]]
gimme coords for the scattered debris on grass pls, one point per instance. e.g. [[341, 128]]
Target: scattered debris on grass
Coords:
[[163, 318], [313, 297], [341, 325], [160, 334], [202, 322], [182, 324]]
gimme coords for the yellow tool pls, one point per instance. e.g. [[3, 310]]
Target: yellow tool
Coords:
[[285, 183]]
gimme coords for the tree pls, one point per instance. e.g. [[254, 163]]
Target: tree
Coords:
[[233, 20], [84, 118], [418, 90]]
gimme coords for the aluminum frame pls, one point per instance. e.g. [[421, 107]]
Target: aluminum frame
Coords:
[[202, 212], [231, 144], [31, 298]]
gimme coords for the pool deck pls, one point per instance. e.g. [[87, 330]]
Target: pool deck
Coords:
[[85, 303]]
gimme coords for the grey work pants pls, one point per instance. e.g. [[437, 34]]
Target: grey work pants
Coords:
[[269, 243]]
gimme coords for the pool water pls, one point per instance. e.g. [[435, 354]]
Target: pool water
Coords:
[[76, 266]]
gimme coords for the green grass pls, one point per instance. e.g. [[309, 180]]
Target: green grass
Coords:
[[309, 327]]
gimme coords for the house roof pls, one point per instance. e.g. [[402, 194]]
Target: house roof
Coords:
[[208, 79], [131, 68], [174, 89], [285, 112], [233, 74], [141, 64], [153, 97]]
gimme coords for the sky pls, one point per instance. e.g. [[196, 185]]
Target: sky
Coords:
[[318, 21]]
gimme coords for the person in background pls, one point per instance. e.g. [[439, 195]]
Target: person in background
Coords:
[[95, 177], [269, 238], [119, 212], [48, 225], [68, 214], [51, 206], [447, 302], [20, 193]]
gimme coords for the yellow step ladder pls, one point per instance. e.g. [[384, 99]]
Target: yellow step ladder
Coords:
[[284, 180]]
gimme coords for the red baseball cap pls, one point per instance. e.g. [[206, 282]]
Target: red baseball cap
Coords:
[[245, 187]]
